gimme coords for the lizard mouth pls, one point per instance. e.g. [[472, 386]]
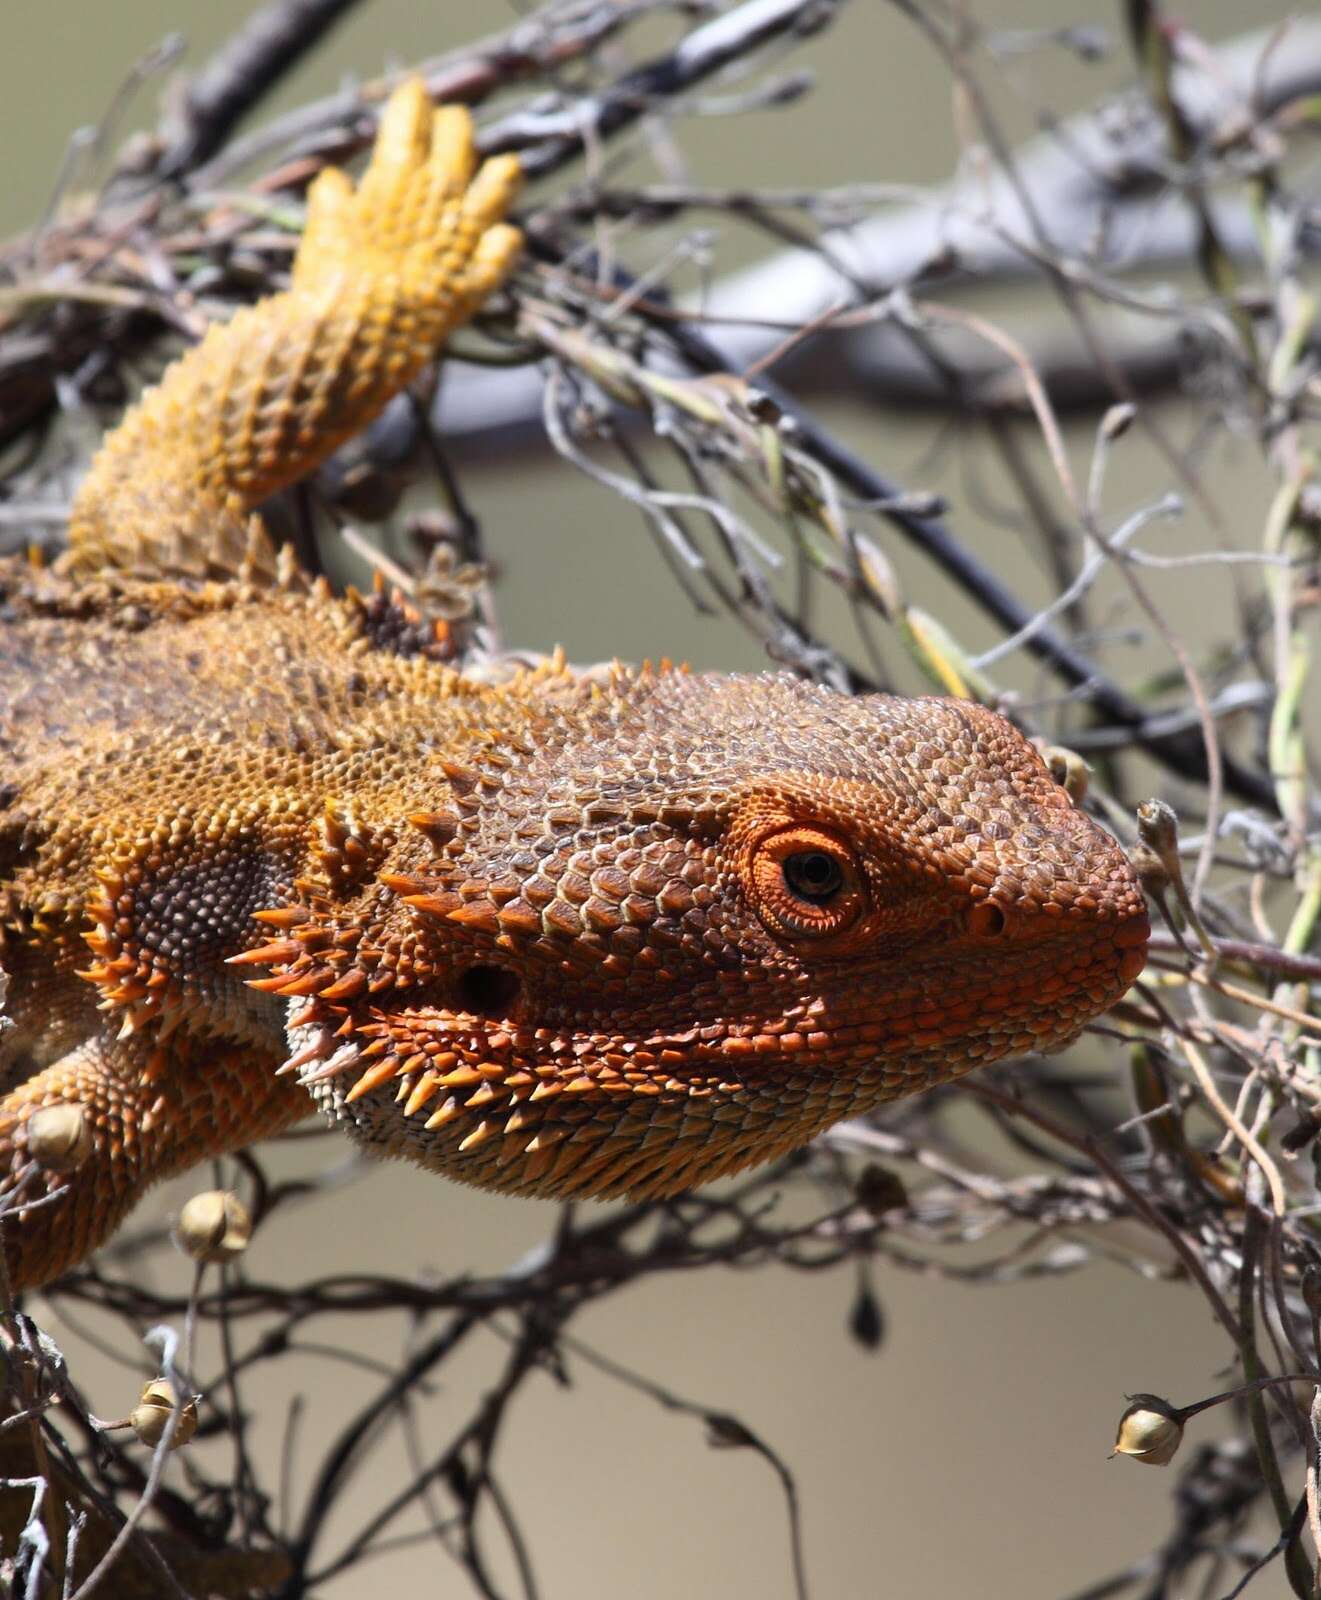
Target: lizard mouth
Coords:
[[522, 1109]]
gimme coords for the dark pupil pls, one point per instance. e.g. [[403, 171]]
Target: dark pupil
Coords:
[[813, 875]]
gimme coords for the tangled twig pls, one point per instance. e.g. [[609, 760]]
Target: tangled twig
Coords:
[[1180, 1139]]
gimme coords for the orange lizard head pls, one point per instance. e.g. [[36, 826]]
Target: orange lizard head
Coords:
[[695, 920]]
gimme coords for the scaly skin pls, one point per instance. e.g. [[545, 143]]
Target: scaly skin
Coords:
[[553, 937]]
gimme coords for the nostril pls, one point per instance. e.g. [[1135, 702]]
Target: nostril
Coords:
[[986, 921], [488, 991]]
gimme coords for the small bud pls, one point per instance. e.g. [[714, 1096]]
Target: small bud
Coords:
[[214, 1226], [1150, 1431], [1161, 1115], [59, 1137], [1150, 870], [1301, 1134], [942, 261], [1158, 827], [1117, 421], [724, 1432], [762, 407], [916, 503], [1068, 769], [149, 1417], [1158, 830], [879, 1190], [866, 1323]]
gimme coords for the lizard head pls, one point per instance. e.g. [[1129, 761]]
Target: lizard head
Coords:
[[690, 921]]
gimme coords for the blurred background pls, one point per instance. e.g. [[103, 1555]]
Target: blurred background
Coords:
[[968, 1453]]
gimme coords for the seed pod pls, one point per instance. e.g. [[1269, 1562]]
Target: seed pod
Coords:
[[214, 1226], [1150, 1431], [59, 1137], [153, 1411]]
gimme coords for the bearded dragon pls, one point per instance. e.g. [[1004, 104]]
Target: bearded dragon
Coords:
[[262, 847]]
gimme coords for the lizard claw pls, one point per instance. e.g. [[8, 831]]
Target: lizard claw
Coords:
[[423, 201]]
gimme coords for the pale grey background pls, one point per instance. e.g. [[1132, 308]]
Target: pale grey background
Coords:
[[969, 1455]]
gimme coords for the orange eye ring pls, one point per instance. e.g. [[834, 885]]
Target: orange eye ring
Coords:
[[807, 884]]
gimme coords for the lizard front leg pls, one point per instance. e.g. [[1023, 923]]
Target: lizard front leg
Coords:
[[382, 275], [148, 1112]]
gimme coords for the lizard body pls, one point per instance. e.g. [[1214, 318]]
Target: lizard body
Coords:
[[551, 936]]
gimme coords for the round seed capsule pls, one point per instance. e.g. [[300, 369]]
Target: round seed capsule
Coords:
[[214, 1226], [153, 1411]]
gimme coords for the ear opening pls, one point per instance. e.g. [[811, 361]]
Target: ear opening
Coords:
[[487, 990]]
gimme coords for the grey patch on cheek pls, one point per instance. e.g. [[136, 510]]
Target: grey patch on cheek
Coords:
[[198, 915]]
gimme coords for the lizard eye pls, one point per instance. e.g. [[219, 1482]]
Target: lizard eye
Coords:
[[807, 884], [813, 875]]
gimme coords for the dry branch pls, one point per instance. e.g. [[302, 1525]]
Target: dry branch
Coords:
[[1181, 1138]]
